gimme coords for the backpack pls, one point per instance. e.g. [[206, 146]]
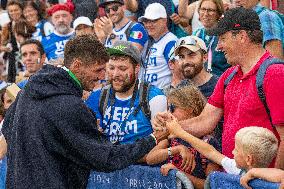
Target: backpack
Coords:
[[259, 81], [143, 99]]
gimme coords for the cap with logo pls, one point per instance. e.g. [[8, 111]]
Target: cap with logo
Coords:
[[103, 3], [192, 43], [236, 19], [125, 48], [82, 20], [153, 11]]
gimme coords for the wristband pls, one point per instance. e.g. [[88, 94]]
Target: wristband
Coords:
[[170, 154]]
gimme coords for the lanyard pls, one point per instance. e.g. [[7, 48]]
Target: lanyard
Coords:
[[72, 76]]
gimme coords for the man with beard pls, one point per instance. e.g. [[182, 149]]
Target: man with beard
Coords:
[[61, 17], [192, 53], [52, 137], [116, 26], [124, 118]]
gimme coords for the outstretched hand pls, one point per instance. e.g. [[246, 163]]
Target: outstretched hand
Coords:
[[174, 127], [160, 119]]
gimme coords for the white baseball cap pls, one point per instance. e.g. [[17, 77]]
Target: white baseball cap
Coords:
[[154, 11], [82, 20]]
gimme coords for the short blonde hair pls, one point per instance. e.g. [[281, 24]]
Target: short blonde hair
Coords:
[[188, 96], [259, 142]]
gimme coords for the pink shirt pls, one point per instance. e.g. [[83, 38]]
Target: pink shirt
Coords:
[[242, 105]]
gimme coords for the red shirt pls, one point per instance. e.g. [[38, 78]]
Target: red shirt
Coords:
[[242, 105]]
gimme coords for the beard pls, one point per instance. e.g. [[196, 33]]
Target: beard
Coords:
[[189, 70], [62, 28], [126, 85]]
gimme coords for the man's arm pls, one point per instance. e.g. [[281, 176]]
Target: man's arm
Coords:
[[185, 10], [80, 141], [131, 5], [275, 48], [268, 174], [205, 123], [280, 155]]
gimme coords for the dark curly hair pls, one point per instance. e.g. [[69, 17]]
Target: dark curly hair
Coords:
[[86, 48]]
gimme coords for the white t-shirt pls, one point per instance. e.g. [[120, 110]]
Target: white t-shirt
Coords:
[[230, 166]]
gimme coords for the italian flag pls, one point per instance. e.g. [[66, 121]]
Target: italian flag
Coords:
[[136, 34]]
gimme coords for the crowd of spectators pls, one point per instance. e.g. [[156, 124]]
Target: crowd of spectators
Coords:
[[194, 60]]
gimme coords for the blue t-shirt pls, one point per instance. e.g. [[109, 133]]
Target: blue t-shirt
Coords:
[[119, 122], [54, 44], [219, 62]]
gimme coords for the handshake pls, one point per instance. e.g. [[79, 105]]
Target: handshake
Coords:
[[165, 124]]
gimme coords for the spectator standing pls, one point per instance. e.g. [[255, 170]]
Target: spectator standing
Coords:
[[83, 26], [117, 26], [125, 116], [33, 57], [240, 103], [156, 68], [210, 12], [61, 16], [15, 9], [35, 17]]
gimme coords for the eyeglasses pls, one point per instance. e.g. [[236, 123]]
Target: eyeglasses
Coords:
[[171, 108], [147, 21], [114, 8], [209, 11]]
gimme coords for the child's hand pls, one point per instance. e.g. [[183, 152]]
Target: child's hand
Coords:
[[173, 127], [166, 168], [188, 159]]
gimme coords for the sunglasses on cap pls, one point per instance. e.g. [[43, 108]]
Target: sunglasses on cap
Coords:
[[114, 8], [186, 41]]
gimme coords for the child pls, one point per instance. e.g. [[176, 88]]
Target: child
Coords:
[[183, 103], [255, 147]]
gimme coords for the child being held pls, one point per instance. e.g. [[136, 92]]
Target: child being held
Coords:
[[184, 102]]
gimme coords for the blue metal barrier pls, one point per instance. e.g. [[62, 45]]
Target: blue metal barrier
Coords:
[[139, 177], [220, 180]]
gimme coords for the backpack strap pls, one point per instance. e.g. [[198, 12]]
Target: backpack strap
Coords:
[[230, 77], [144, 100], [259, 82], [127, 31], [104, 99]]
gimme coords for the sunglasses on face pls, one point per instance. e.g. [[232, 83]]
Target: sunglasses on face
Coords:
[[114, 8], [171, 108]]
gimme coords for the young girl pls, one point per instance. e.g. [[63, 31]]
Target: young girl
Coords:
[[184, 103]]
